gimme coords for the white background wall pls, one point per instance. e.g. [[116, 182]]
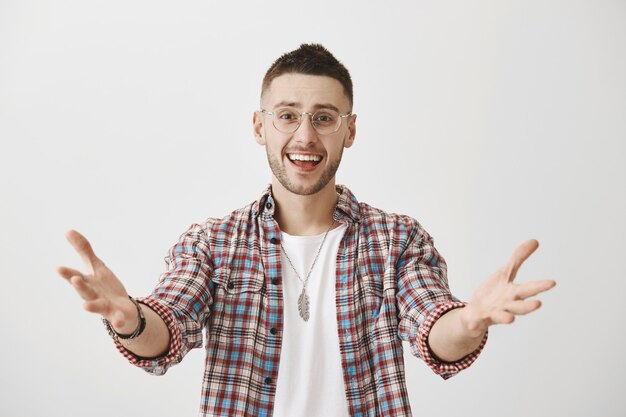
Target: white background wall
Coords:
[[489, 121]]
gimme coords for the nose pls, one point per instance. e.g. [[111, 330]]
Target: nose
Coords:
[[306, 132]]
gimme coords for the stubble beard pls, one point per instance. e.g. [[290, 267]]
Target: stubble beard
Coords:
[[279, 171]]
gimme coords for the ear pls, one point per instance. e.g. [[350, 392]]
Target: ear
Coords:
[[258, 127], [351, 131]]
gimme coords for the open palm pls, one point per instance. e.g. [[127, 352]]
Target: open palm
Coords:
[[102, 291], [498, 299]]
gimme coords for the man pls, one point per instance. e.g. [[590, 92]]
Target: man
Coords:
[[306, 294]]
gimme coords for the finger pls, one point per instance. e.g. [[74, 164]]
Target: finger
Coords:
[[83, 247], [522, 307], [82, 287], [520, 254], [68, 273], [96, 306], [530, 289], [502, 317]]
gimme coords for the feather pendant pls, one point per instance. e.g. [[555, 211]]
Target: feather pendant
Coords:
[[303, 305]]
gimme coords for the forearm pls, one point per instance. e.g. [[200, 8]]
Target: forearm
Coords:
[[450, 338], [153, 342]]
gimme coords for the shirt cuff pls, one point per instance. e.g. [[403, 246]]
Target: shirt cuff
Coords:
[[444, 369], [158, 365]]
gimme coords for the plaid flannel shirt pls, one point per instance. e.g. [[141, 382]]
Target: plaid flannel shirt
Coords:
[[224, 277]]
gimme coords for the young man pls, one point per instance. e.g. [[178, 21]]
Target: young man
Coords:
[[306, 294]]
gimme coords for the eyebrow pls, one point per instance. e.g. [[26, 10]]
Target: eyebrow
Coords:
[[318, 106]]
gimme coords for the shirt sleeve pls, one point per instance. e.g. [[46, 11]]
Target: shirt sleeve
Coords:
[[423, 297], [182, 298]]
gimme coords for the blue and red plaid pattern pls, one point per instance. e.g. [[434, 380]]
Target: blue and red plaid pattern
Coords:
[[224, 278]]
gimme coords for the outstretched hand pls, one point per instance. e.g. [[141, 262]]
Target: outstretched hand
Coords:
[[102, 291], [498, 299]]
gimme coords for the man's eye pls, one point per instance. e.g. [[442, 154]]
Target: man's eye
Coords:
[[324, 118], [287, 116]]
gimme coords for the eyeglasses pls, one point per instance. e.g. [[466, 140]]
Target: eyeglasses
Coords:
[[288, 120]]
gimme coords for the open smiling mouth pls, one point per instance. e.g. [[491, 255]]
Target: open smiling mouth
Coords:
[[304, 160]]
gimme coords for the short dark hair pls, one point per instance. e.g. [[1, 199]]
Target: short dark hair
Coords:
[[311, 59]]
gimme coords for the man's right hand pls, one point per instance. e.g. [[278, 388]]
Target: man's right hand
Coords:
[[103, 293]]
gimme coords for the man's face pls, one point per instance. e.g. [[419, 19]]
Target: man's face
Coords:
[[304, 162]]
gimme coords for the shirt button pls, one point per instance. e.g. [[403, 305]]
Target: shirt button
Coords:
[[273, 330], [230, 286], [268, 205], [268, 380], [273, 241], [275, 281]]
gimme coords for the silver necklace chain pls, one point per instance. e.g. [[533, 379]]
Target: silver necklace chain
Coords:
[[303, 299]]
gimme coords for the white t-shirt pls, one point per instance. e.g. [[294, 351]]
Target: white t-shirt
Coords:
[[310, 380]]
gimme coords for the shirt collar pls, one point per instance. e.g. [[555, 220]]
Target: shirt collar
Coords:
[[347, 209]]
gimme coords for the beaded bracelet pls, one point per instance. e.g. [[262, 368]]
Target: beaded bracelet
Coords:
[[128, 337]]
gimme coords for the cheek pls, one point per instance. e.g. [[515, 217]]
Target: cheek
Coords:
[[337, 146], [276, 146]]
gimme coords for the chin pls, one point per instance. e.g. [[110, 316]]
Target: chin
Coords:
[[301, 189]]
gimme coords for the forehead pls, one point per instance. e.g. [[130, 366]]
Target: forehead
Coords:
[[306, 91]]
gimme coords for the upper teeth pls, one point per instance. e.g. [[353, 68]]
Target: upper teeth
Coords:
[[299, 157]]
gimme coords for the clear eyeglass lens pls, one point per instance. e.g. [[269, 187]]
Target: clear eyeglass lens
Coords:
[[324, 121]]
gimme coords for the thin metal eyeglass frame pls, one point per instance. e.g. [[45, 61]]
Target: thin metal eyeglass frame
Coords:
[[341, 117]]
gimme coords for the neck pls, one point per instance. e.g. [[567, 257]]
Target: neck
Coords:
[[304, 215]]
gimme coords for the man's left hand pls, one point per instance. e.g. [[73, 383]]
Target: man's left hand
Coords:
[[498, 299]]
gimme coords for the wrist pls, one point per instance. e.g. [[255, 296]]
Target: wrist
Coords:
[[140, 320], [130, 318], [472, 323]]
